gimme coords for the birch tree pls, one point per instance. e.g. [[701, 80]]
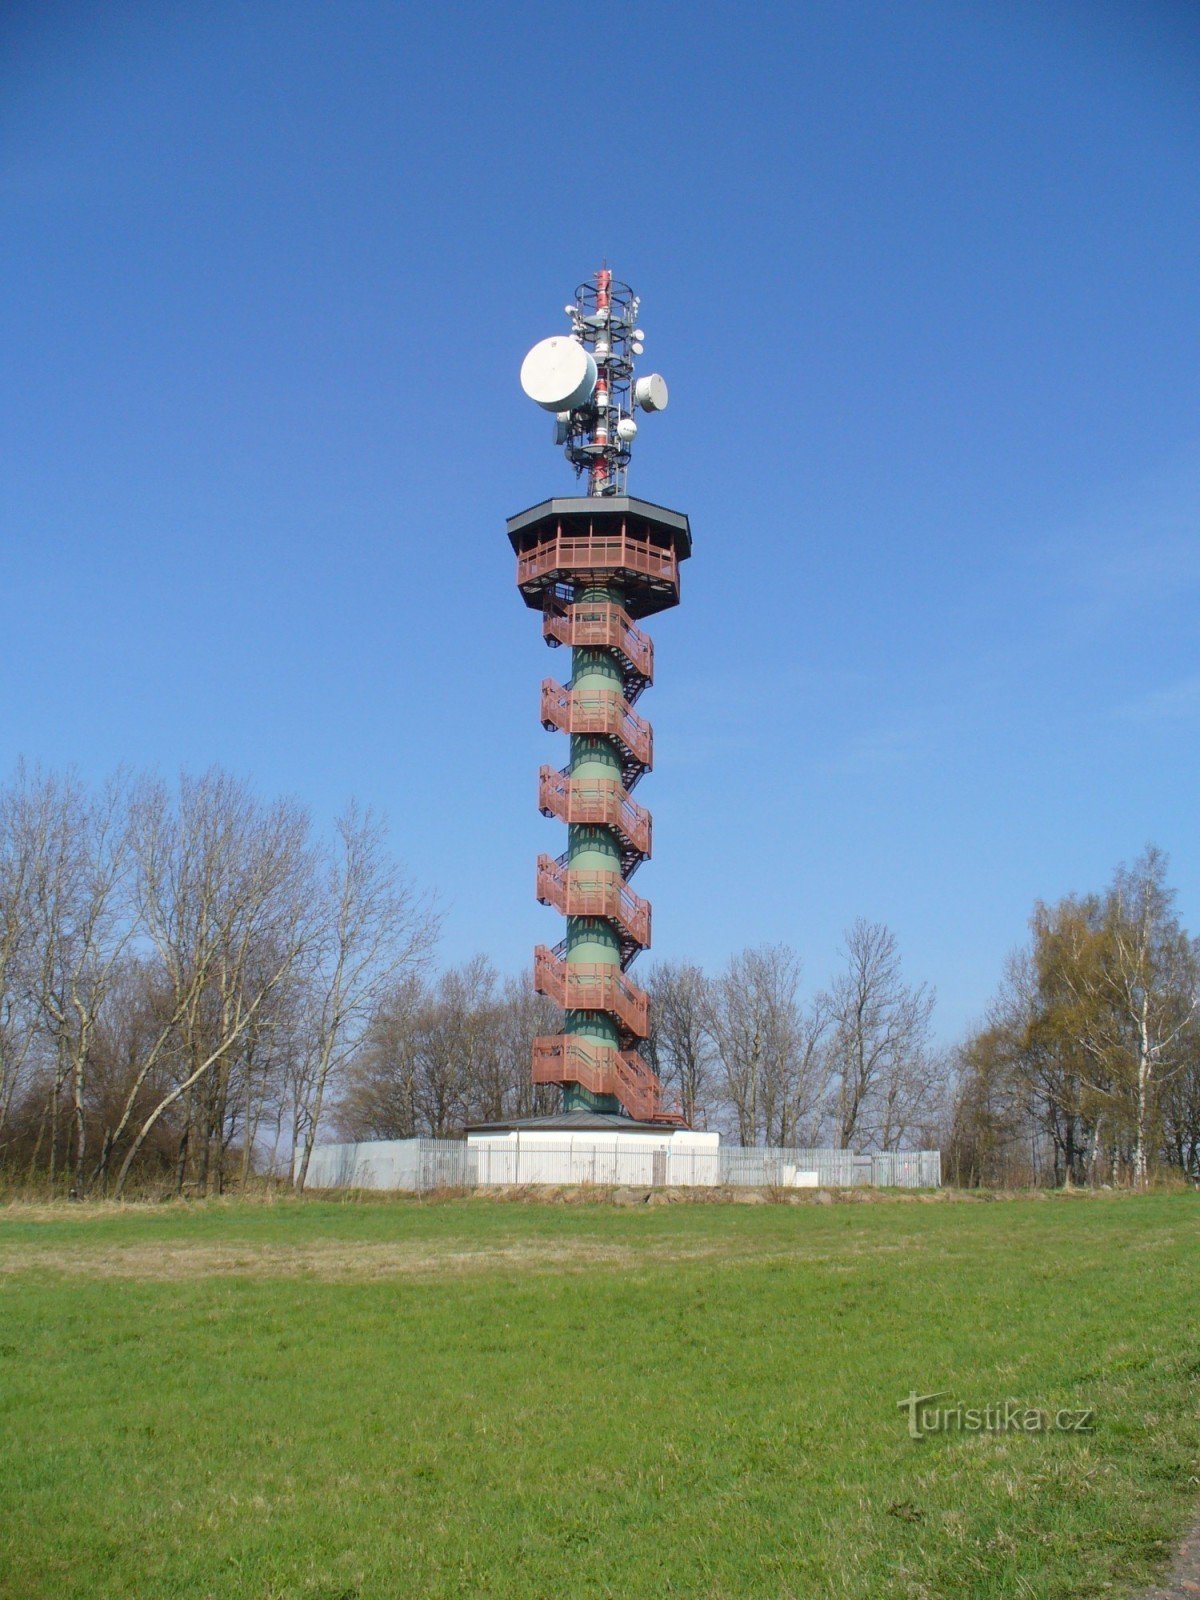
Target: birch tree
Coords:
[[1155, 983], [224, 889]]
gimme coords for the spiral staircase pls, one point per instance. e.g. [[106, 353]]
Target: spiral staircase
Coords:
[[595, 568]]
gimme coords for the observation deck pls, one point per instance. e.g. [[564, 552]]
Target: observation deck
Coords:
[[591, 540]]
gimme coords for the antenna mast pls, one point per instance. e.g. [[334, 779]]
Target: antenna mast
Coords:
[[587, 381]]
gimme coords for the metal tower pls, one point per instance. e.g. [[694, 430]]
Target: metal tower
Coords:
[[595, 565]]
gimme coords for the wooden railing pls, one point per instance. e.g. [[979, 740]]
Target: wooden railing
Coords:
[[594, 894], [603, 626], [592, 986], [602, 802], [601, 711], [600, 553]]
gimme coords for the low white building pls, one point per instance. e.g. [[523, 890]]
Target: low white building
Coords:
[[591, 1147]]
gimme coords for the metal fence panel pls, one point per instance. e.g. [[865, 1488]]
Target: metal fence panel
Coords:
[[424, 1165], [446, 1164]]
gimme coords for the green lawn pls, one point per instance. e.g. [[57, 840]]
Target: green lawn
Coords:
[[477, 1398]]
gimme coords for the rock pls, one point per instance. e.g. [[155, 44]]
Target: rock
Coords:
[[749, 1197], [630, 1197], [823, 1197]]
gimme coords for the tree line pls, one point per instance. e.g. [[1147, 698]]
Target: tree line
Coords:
[[195, 986], [1087, 1066], [744, 1050], [185, 973]]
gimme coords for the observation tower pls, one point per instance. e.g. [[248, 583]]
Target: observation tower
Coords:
[[595, 565]]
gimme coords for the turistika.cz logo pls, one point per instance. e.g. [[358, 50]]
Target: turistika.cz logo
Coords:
[[926, 1415]]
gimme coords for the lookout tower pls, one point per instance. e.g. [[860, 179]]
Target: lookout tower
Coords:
[[595, 565]]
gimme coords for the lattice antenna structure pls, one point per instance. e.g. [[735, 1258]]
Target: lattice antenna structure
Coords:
[[594, 566], [586, 379]]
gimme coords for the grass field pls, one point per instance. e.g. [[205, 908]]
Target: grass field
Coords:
[[469, 1397]]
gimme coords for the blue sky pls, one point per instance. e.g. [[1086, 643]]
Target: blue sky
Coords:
[[922, 278]]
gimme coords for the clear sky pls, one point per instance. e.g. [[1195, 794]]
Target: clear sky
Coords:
[[923, 280]]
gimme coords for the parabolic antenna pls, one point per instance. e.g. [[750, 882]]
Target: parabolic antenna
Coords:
[[650, 393], [559, 374]]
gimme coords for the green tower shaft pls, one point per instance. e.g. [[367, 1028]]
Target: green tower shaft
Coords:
[[592, 848]]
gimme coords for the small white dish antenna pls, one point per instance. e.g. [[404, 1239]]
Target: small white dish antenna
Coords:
[[637, 347], [627, 430], [650, 392], [559, 374]]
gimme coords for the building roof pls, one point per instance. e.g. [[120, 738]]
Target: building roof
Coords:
[[571, 1122]]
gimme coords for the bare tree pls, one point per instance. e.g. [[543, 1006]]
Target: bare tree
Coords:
[[81, 925], [455, 1040], [880, 1037], [680, 1048], [524, 1015], [22, 845], [379, 1099], [770, 1048], [224, 887], [444, 1053], [373, 926]]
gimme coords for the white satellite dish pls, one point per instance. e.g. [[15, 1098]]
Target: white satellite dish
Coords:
[[627, 430], [559, 374], [650, 392]]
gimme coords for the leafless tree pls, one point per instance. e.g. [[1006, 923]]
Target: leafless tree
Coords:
[[372, 927], [524, 1015], [681, 1048], [448, 1052], [379, 1097], [770, 1047], [225, 887], [880, 1040], [22, 845], [455, 1044], [81, 925]]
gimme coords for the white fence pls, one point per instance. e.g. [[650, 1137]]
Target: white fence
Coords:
[[835, 1169], [415, 1165], [422, 1165]]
